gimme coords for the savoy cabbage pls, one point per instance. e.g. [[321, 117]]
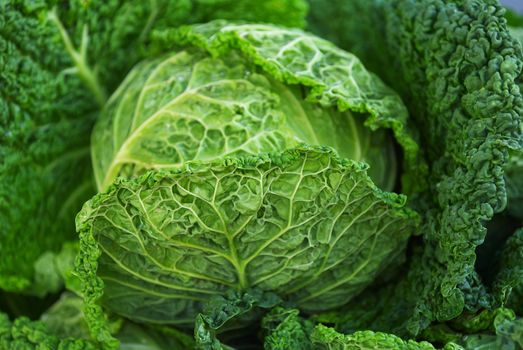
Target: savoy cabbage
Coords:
[[236, 200], [255, 185]]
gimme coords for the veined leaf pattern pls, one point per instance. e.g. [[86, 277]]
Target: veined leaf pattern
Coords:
[[302, 223]]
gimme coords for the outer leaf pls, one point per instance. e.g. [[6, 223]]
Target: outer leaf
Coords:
[[188, 106], [24, 334], [303, 223], [58, 65], [286, 330], [514, 168], [118, 30], [457, 66], [497, 329], [44, 128], [327, 338], [63, 327], [294, 57], [219, 311]]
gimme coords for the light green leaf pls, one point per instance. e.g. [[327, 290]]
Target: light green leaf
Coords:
[[304, 224], [60, 59], [189, 106], [331, 77]]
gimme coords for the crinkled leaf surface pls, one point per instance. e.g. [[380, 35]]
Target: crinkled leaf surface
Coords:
[[326, 338], [118, 30], [24, 334], [489, 329], [63, 327], [189, 106], [44, 131], [456, 66], [60, 59], [285, 329], [331, 77], [221, 312], [303, 224]]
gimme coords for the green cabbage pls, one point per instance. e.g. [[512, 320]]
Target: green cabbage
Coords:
[[253, 178], [223, 185]]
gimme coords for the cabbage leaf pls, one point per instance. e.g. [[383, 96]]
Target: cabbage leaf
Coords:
[[303, 223], [60, 60], [457, 67]]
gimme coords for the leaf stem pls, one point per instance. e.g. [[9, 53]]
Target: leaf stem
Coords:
[[79, 58]]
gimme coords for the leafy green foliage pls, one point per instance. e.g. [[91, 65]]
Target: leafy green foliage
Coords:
[[496, 329], [44, 126], [24, 334], [285, 329], [294, 57], [244, 171], [215, 108], [117, 31], [63, 327], [456, 66], [60, 61], [286, 223], [328, 339], [221, 311], [214, 111]]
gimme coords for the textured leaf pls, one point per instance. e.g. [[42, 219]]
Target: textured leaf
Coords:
[[118, 30], [63, 327], [496, 329], [189, 106], [285, 329], [327, 338], [294, 57], [58, 65], [220, 311], [44, 130], [456, 66], [24, 334], [155, 248]]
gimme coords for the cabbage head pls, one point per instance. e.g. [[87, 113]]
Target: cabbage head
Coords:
[[189, 106], [250, 157]]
